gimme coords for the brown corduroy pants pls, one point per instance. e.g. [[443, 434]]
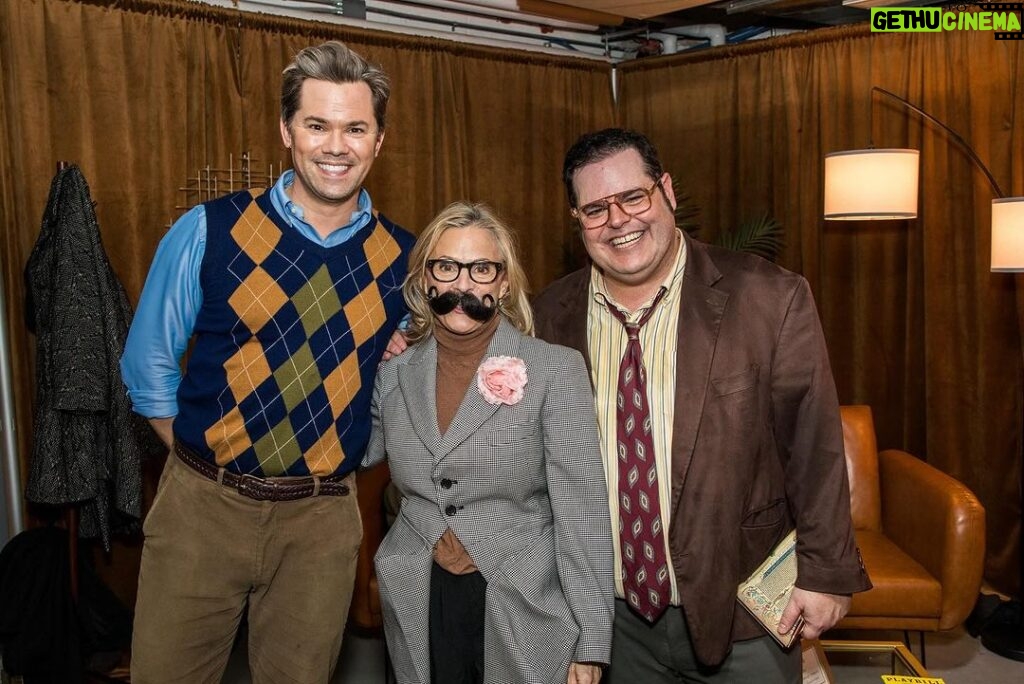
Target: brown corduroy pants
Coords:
[[211, 552]]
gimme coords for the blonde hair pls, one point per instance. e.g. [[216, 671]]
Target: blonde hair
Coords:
[[514, 305]]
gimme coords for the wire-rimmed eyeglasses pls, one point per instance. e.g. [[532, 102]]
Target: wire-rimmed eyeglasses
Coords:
[[631, 202], [482, 272]]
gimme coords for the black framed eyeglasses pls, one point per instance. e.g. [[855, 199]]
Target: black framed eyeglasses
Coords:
[[482, 272], [632, 202]]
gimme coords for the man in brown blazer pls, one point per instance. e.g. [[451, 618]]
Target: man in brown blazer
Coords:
[[741, 414]]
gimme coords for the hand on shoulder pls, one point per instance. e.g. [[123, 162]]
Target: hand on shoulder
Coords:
[[396, 345]]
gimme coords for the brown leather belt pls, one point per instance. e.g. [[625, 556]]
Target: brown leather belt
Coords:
[[265, 488]]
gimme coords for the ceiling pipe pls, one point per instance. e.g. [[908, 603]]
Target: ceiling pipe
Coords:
[[500, 9], [489, 38], [669, 42], [435, 15], [745, 34], [712, 32], [400, 13], [418, 11]]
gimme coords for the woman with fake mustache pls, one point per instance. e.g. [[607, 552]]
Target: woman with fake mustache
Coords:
[[499, 566]]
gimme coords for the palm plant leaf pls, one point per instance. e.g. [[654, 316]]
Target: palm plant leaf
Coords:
[[686, 211], [762, 236]]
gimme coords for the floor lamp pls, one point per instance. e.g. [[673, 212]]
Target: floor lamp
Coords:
[[874, 184]]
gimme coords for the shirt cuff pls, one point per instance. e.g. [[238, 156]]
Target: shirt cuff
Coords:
[[153, 403]]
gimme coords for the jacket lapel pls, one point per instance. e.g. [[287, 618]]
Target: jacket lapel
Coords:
[[574, 319], [474, 409], [573, 322], [418, 383], [700, 316]]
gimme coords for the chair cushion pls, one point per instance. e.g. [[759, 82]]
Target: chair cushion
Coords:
[[902, 587]]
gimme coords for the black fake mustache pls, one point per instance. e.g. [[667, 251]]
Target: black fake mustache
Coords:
[[476, 308]]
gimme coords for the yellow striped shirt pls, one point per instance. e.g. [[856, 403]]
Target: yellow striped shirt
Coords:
[[607, 343]]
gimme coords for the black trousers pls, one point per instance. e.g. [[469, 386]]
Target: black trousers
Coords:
[[456, 627]]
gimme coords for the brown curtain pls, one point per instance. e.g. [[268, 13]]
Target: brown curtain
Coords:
[[143, 93], [917, 326]]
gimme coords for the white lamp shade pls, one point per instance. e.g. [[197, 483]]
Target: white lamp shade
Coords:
[[871, 184], [1008, 234]]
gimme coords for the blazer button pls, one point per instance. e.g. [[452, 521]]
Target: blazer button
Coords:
[[446, 483], [450, 510]]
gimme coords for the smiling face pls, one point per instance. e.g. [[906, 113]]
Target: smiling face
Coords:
[[466, 245], [334, 139], [634, 253]]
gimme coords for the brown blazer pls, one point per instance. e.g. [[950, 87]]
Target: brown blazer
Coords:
[[757, 443]]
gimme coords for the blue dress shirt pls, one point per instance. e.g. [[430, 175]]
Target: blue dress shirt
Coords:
[[172, 297]]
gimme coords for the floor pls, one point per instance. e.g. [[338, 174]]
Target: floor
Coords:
[[954, 656]]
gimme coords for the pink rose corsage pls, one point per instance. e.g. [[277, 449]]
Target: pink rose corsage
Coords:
[[501, 379]]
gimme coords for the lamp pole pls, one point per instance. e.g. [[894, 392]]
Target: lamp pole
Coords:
[[1006, 640], [957, 138], [875, 194]]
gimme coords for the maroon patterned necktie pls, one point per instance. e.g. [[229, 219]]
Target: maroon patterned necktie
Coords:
[[641, 534]]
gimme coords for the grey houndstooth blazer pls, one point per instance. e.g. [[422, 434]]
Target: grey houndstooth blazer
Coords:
[[526, 496]]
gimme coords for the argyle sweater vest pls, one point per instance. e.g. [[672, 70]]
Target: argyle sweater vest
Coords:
[[287, 341]]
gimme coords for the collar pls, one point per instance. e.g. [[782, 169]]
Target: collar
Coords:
[[472, 344], [295, 216]]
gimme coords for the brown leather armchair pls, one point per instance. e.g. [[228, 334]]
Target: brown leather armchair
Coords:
[[921, 534]]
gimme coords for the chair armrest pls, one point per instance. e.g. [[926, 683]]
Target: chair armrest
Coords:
[[940, 523], [364, 612]]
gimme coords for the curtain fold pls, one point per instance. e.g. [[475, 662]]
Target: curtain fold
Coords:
[[917, 326]]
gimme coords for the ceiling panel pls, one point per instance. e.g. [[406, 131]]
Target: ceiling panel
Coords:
[[635, 9]]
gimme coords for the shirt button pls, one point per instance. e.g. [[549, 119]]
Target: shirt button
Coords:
[[446, 483], [450, 510]]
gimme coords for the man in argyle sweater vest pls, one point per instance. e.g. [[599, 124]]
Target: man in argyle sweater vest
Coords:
[[288, 297], [287, 341]]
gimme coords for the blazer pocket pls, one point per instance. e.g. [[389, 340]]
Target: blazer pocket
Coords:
[[731, 384], [760, 530], [512, 433], [769, 515]]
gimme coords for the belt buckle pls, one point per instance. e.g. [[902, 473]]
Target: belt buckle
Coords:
[[256, 488]]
